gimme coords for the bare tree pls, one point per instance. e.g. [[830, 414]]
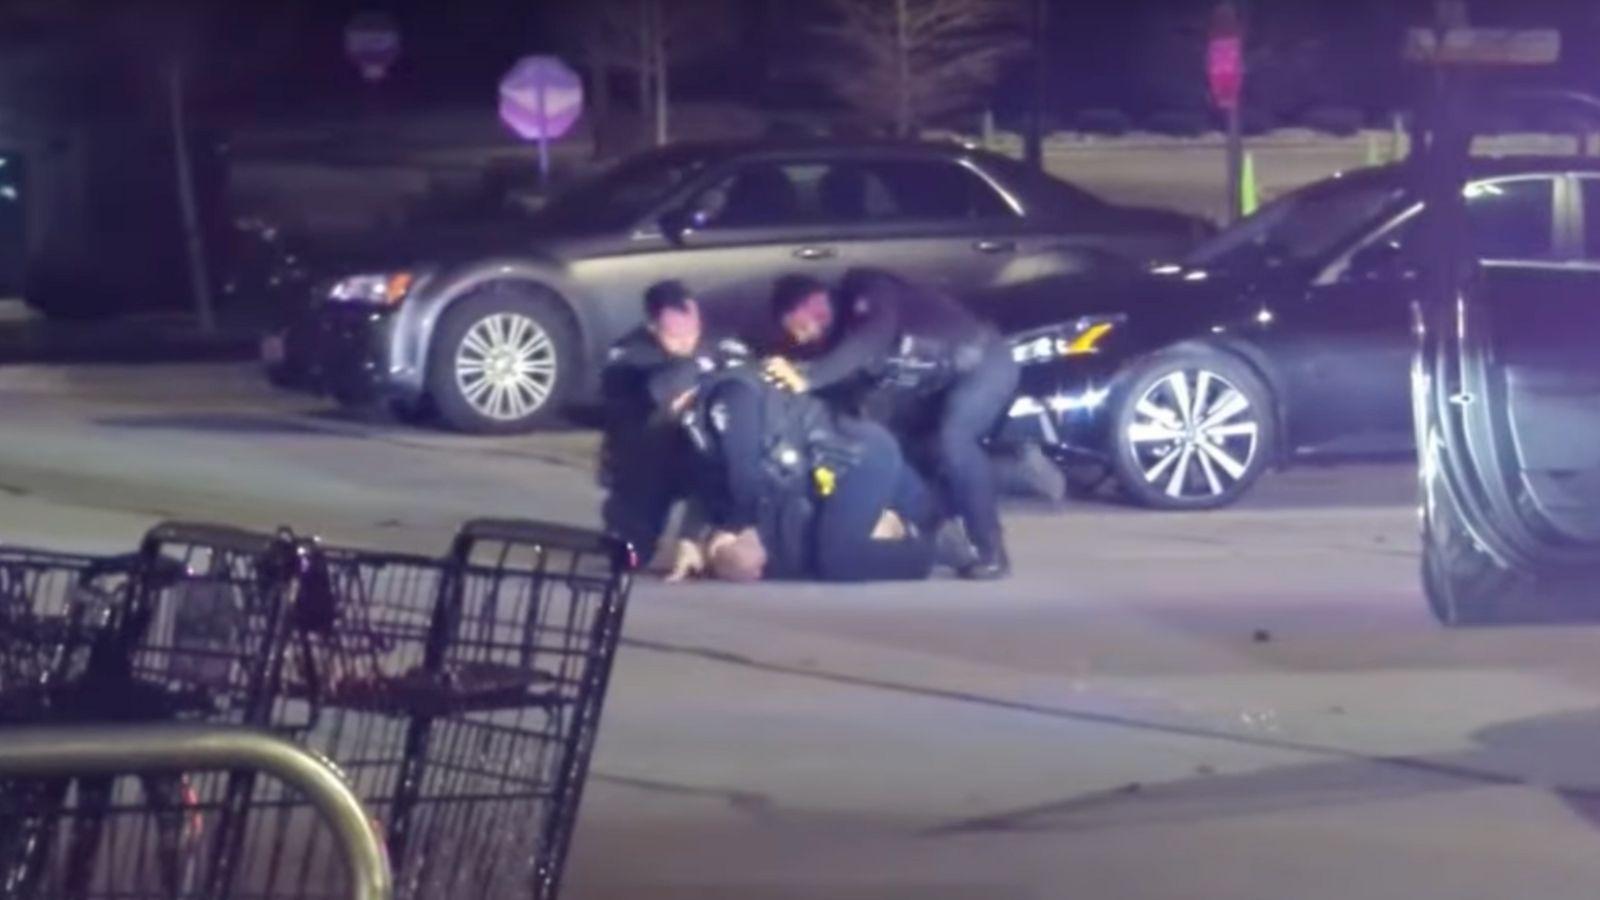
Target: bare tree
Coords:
[[646, 38], [911, 60]]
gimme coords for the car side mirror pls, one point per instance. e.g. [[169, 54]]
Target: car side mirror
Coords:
[[1382, 261]]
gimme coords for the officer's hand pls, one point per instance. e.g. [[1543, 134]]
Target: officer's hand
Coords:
[[785, 374], [687, 562], [682, 401]]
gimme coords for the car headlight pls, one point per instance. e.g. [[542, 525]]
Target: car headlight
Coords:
[[1080, 338], [379, 289]]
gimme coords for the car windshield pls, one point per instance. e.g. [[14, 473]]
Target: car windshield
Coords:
[[620, 196], [1300, 228]]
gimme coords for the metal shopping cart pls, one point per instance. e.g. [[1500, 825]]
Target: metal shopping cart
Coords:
[[460, 695]]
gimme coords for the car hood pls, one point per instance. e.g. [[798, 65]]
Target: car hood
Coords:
[[1177, 296]]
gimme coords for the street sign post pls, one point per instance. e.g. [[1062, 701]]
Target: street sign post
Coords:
[[1225, 73], [541, 99], [372, 43]]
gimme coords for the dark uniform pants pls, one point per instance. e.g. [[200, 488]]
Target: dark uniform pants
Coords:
[[971, 408]]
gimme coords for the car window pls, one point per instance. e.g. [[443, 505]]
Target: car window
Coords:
[[1512, 220], [1492, 215], [618, 197], [1591, 217], [935, 190], [842, 192], [1057, 196]]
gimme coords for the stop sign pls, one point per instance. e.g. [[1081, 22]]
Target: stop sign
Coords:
[[1225, 58], [372, 42], [540, 98]]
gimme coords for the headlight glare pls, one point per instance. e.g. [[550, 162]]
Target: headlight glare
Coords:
[[383, 289], [1079, 338]]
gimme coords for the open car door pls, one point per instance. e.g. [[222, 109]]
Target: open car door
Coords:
[[1507, 395]]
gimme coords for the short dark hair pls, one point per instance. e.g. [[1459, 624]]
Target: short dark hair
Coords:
[[665, 295], [792, 290]]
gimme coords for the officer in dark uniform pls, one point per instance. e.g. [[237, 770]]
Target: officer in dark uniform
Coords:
[[646, 462], [878, 333], [813, 487]]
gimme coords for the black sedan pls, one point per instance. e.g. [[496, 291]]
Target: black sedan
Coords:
[[499, 328], [1285, 337]]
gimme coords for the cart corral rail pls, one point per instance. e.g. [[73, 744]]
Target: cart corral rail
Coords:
[[112, 750]]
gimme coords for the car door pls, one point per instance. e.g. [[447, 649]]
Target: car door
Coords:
[[745, 224], [1513, 401], [931, 219], [1345, 348], [1540, 330]]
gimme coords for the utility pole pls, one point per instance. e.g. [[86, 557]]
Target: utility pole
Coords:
[[199, 278], [1034, 150], [1225, 72], [658, 36]]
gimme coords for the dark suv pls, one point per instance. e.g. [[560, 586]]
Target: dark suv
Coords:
[[500, 330]]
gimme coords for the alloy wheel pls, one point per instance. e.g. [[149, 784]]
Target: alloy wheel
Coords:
[[1194, 435], [506, 366]]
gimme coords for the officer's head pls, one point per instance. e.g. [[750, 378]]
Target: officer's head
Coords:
[[673, 317], [802, 306]]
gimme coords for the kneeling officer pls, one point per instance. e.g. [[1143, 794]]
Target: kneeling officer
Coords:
[[880, 332]]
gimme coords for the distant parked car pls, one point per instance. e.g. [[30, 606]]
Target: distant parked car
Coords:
[[498, 328], [1284, 337]]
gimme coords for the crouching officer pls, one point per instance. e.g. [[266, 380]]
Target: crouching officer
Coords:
[[878, 332], [803, 491], [646, 461]]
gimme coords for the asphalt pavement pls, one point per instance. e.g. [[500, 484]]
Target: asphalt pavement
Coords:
[[1252, 703]]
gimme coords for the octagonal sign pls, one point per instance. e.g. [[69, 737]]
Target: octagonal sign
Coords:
[[541, 98]]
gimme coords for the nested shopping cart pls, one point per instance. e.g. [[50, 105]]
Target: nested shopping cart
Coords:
[[460, 696]]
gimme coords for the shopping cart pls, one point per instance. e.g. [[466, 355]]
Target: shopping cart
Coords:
[[460, 695]]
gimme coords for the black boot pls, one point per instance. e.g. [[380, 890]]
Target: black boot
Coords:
[[991, 565], [952, 549]]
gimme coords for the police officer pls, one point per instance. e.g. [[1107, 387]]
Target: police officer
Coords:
[[805, 491], [879, 332], [647, 464]]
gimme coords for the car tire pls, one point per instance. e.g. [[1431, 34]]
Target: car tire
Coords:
[[1464, 585], [417, 413], [503, 361], [1193, 429]]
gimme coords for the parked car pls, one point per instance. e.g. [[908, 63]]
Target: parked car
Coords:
[[499, 328], [1284, 337]]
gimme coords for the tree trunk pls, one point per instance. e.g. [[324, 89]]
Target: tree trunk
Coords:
[[659, 36], [902, 54], [200, 281]]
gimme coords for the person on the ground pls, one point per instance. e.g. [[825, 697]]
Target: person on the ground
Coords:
[[646, 461], [878, 334], [821, 495]]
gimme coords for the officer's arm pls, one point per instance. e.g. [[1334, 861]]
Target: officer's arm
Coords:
[[869, 339]]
